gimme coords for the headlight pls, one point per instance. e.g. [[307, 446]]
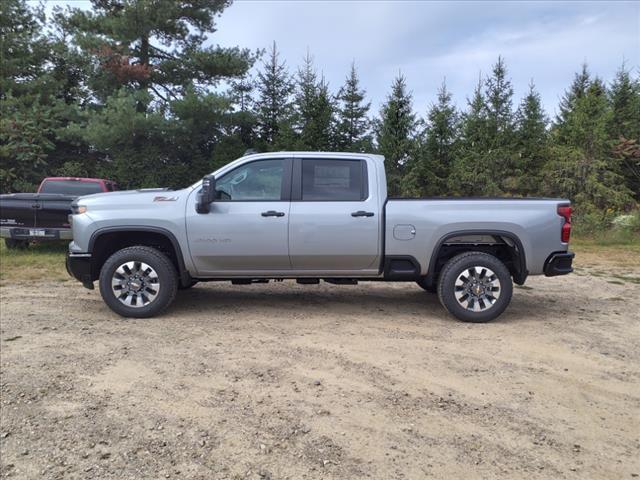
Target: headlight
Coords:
[[78, 209]]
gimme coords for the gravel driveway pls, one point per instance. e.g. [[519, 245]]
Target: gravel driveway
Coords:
[[290, 381]]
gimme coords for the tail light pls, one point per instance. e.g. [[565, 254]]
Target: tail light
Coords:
[[565, 212]]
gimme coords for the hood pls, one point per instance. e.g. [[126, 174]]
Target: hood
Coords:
[[125, 192], [142, 196]]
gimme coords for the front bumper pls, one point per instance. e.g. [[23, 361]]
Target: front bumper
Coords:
[[25, 233], [559, 263], [79, 266]]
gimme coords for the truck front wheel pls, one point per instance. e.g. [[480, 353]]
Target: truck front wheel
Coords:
[[138, 282], [475, 287]]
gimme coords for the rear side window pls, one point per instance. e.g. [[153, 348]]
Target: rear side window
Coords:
[[71, 187], [333, 180]]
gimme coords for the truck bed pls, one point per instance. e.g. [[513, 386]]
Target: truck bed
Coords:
[[532, 223]]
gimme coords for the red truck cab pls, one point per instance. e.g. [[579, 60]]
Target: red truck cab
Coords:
[[76, 185]]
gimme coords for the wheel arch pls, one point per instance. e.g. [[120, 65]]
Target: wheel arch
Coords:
[[515, 253], [105, 241]]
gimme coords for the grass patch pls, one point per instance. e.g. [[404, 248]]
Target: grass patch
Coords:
[[609, 238], [606, 250], [40, 261]]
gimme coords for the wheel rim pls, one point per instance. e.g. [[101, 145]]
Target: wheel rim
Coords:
[[135, 284], [477, 289]]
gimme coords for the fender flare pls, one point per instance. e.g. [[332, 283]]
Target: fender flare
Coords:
[[521, 271], [185, 277]]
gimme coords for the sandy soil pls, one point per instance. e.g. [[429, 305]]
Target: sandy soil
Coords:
[[290, 381]]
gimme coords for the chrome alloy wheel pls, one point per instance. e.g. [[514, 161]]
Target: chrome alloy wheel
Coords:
[[477, 289], [135, 284]]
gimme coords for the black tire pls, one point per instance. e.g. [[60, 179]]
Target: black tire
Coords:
[[466, 262], [165, 273], [188, 286], [431, 288], [13, 244]]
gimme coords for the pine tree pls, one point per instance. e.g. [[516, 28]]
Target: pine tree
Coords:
[[239, 125], [499, 159], [352, 123], [24, 50], [577, 90], [314, 109], [41, 87], [432, 164], [321, 127], [624, 127], [272, 107], [156, 46], [531, 142], [582, 165], [395, 133], [244, 120], [499, 95], [470, 173], [625, 101]]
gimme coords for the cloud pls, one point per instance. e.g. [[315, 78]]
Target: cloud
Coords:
[[428, 41]]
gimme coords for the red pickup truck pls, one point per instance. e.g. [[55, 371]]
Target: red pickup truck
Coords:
[[25, 217]]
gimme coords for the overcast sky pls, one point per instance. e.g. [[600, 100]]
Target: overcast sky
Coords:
[[430, 41]]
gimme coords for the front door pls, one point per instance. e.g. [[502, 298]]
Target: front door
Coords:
[[334, 225], [245, 232]]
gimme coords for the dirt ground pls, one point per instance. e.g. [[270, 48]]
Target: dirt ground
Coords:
[[290, 381]]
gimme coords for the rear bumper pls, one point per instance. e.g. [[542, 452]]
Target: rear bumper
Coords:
[[559, 263], [79, 266], [23, 233]]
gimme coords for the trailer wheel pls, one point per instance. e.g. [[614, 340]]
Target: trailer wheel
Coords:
[[14, 244], [475, 287], [138, 282]]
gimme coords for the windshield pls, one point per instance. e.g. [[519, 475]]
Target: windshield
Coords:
[[71, 187]]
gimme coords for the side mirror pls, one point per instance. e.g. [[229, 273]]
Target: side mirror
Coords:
[[207, 194]]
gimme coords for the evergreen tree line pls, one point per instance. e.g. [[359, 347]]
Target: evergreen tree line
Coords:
[[130, 91]]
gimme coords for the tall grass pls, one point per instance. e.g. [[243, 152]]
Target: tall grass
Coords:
[[40, 261]]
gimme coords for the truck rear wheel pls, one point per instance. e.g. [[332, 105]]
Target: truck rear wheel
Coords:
[[138, 282], [475, 287]]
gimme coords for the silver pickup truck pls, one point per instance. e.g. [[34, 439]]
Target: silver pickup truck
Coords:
[[313, 216]]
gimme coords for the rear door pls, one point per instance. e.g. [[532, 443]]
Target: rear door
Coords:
[[334, 218]]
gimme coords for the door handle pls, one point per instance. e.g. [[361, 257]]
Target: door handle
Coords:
[[272, 213], [362, 213]]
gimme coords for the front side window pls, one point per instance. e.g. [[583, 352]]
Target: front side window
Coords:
[[333, 180], [257, 181]]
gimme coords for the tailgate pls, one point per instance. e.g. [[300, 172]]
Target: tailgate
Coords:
[[53, 211], [18, 210]]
